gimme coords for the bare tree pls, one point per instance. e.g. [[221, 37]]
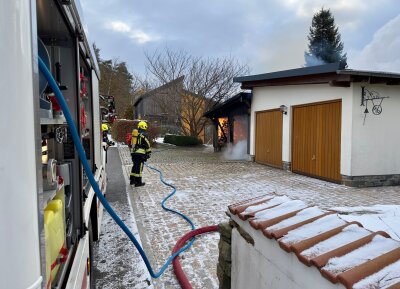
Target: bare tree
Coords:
[[167, 65], [207, 82], [142, 84]]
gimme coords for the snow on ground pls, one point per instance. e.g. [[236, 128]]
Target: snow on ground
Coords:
[[159, 140], [206, 185], [115, 250]]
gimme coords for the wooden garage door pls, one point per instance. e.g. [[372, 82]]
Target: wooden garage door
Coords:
[[269, 138], [316, 140]]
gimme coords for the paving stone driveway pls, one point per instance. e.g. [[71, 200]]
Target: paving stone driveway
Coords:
[[206, 184]]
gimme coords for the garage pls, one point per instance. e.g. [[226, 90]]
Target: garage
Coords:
[[268, 149], [340, 125], [316, 138]]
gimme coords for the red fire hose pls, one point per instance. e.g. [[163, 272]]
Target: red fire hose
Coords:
[[180, 275]]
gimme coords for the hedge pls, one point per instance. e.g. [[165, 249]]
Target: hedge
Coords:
[[182, 140], [121, 127]]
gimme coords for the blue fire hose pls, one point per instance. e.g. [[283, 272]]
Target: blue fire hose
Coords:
[[109, 209], [169, 196]]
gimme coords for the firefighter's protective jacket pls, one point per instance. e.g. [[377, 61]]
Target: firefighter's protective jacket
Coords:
[[140, 144]]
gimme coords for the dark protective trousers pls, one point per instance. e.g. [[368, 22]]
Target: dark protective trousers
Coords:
[[137, 168], [132, 171]]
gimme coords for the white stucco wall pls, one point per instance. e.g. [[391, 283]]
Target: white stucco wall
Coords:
[[376, 144], [266, 265], [370, 148], [272, 97]]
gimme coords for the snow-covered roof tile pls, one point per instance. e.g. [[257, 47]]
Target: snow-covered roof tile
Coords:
[[347, 235], [254, 210], [301, 218], [314, 229], [243, 205], [269, 217], [386, 278], [379, 245], [343, 251]]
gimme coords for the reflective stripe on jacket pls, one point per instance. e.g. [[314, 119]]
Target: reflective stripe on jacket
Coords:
[[142, 145]]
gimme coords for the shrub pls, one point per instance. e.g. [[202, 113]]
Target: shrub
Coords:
[[153, 131], [182, 140], [122, 127], [128, 113]]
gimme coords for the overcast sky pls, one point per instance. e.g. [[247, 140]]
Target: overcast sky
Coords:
[[267, 35]]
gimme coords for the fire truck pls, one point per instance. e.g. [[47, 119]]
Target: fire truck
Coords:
[[49, 214]]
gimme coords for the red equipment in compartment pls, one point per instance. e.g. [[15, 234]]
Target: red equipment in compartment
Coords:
[[83, 118], [83, 92]]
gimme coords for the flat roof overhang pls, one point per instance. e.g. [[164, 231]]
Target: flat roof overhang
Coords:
[[318, 75]]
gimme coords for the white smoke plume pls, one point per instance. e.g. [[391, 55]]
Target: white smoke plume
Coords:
[[312, 60], [237, 151], [382, 53]]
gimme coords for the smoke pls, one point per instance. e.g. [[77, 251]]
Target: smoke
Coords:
[[237, 151], [382, 53], [312, 60]]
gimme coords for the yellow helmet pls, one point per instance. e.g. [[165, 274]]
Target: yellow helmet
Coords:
[[142, 125], [104, 127]]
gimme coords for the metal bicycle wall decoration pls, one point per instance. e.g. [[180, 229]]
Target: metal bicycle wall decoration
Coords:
[[375, 98]]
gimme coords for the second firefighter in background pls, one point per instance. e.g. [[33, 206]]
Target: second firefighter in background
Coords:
[[140, 153]]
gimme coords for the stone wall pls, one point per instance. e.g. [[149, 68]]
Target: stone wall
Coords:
[[224, 260], [224, 267], [286, 166], [371, 181]]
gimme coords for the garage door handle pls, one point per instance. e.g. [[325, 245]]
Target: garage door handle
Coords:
[[313, 158]]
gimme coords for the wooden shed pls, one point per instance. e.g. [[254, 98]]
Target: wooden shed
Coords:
[[231, 120]]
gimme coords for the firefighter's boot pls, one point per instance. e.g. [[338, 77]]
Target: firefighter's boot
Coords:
[[138, 182], [132, 180]]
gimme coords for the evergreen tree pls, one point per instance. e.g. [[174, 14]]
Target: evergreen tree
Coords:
[[117, 81], [325, 44]]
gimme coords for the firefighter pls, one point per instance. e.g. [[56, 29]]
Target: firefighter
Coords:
[[105, 128], [132, 139], [141, 152]]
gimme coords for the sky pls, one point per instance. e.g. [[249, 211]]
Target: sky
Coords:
[[267, 35]]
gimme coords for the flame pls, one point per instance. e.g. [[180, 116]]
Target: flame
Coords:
[[223, 122]]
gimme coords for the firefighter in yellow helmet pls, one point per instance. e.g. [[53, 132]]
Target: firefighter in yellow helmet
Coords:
[[104, 129], [141, 152], [133, 140]]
